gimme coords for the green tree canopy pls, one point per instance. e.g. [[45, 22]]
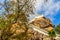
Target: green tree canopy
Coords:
[[57, 29]]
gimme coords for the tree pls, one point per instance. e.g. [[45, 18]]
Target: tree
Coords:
[[52, 34], [17, 13], [57, 29]]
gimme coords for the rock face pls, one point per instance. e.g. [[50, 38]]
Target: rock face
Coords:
[[37, 36], [42, 22]]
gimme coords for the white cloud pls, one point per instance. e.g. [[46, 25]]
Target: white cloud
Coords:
[[38, 4], [50, 8]]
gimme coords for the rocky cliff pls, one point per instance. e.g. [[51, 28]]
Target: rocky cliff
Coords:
[[42, 22]]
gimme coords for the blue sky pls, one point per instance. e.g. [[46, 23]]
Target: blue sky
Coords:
[[50, 9], [56, 14], [57, 20]]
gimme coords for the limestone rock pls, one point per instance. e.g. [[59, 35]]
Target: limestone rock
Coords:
[[42, 22]]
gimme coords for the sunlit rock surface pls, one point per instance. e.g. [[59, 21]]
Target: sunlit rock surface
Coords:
[[42, 22]]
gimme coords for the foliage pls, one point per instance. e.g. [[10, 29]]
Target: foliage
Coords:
[[52, 33], [16, 18], [57, 29]]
